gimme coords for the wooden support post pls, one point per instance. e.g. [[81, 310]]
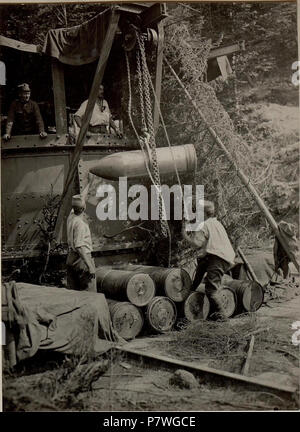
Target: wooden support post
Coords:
[[59, 97], [245, 180], [67, 193], [248, 265], [158, 73], [246, 367]]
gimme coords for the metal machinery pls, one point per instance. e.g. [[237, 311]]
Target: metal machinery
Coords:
[[34, 170]]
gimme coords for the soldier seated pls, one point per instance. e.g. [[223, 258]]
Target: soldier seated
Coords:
[[101, 119]]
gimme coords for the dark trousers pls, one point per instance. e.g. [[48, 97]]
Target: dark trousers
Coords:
[[77, 276], [215, 268]]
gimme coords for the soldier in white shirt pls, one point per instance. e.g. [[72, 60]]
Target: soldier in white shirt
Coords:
[[80, 264], [101, 119], [217, 255]]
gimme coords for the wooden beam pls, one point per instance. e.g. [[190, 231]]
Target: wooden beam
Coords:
[[21, 46], [59, 97], [210, 373], [227, 50], [154, 14], [248, 265], [67, 193], [158, 73], [246, 367], [235, 169]]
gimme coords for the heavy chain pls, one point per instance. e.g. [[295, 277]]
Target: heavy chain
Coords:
[[145, 100], [140, 84]]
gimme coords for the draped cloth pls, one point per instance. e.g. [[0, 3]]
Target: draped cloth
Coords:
[[57, 319], [80, 44]]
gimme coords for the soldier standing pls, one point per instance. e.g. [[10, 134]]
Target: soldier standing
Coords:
[[216, 257], [80, 264], [24, 115]]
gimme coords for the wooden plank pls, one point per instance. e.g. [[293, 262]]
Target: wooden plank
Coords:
[[244, 179], [15, 44], [248, 265], [210, 373], [227, 50], [59, 97], [158, 73], [67, 193], [246, 367]]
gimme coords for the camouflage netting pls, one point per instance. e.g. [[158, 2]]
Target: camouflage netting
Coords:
[[234, 205]]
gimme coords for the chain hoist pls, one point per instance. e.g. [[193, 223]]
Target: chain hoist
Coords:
[[147, 121]]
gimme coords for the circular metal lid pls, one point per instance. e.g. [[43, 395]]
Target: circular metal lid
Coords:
[[228, 299], [161, 314], [178, 284], [253, 297], [196, 306], [140, 289], [127, 320]]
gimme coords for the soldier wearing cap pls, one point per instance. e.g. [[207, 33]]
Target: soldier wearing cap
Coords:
[[80, 264], [24, 115], [216, 255]]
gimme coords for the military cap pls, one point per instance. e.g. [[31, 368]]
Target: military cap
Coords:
[[24, 87], [209, 207], [78, 201]]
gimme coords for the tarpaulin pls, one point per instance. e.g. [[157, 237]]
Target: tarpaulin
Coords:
[[288, 232], [57, 319], [80, 44], [262, 262]]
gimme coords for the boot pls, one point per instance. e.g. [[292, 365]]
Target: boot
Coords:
[[218, 310]]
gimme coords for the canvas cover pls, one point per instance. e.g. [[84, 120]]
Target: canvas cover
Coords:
[[43, 317], [80, 44]]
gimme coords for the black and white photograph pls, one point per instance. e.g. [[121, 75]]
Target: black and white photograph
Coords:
[[150, 209]]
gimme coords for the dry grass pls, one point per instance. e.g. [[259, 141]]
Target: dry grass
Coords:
[[61, 387], [224, 345]]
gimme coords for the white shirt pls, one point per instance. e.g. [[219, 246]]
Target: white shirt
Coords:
[[213, 237], [101, 114], [78, 233]]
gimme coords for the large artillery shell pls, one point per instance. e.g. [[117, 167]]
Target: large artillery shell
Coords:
[[196, 306], [174, 283], [132, 164], [126, 318], [249, 294], [139, 289], [161, 314]]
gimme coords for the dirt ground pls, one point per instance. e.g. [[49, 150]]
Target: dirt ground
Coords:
[[131, 384], [141, 388]]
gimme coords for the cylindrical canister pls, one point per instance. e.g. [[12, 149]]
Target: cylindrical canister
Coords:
[[126, 318], [249, 294], [161, 314], [132, 163], [174, 283], [196, 306], [228, 299], [139, 289]]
